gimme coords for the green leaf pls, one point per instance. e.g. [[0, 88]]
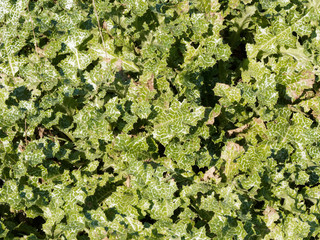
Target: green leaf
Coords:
[[175, 121], [294, 228], [163, 209], [229, 154], [229, 94]]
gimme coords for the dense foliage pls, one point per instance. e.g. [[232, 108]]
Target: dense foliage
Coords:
[[156, 119]]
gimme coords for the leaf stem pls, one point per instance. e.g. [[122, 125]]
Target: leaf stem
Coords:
[[9, 59], [34, 35], [96, 14]]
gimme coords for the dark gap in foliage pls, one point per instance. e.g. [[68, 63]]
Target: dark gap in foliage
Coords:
[[281, 155], [180, 179], [176, 194], [64, 220], [111, 213], [197, 169], [153, 113], [28, 225], [22, 21], [121, 83], [258, 138], [38, 222], [164, 174], [152, 146], [232, 221], [248, 227], [40, 180], [13, 2], [240, 54], [80, 74], [181, 98], [1, 183], [118, 47], [313, 179], [141, 32], [140, 211], [224, 5], [59, 57], [293, 185], [224, 74], [110, 170], [237, 40], [208, 98], [82, 236], [71, 102], [127, 106], [161, 149], [101, 193], [100, 169], [86, 25], [195, 44], [302, 40], [43, 41], [175, 59], [313, 116], [6, 170], [261, 9], [294, 33], [65, 121], [19, 94], [283, 97], [33, 171], [31, 5], [122, 79], [260, 226], [27, 49], [83, 46], [242, 142], [214, 148], [199, 222], [133, 76], [60, 134], [282, 201], [209, 233], [50, 4], [278, 8], [173, 88], [77, 101], [139, 127], [119, 126], [60, 70], [258, 205], [3, 134], [102, 145], [246, 204], [176, 213], [5, 210], [287, 176], [92, 65], [148, 219], [203, 215], [260, 55]]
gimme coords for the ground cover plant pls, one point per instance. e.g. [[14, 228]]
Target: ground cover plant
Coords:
[[156, 119]]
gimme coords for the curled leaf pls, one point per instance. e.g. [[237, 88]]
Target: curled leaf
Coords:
[[127, 182], [230, 153], [150, 83], [210, 175], [238, 130]]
